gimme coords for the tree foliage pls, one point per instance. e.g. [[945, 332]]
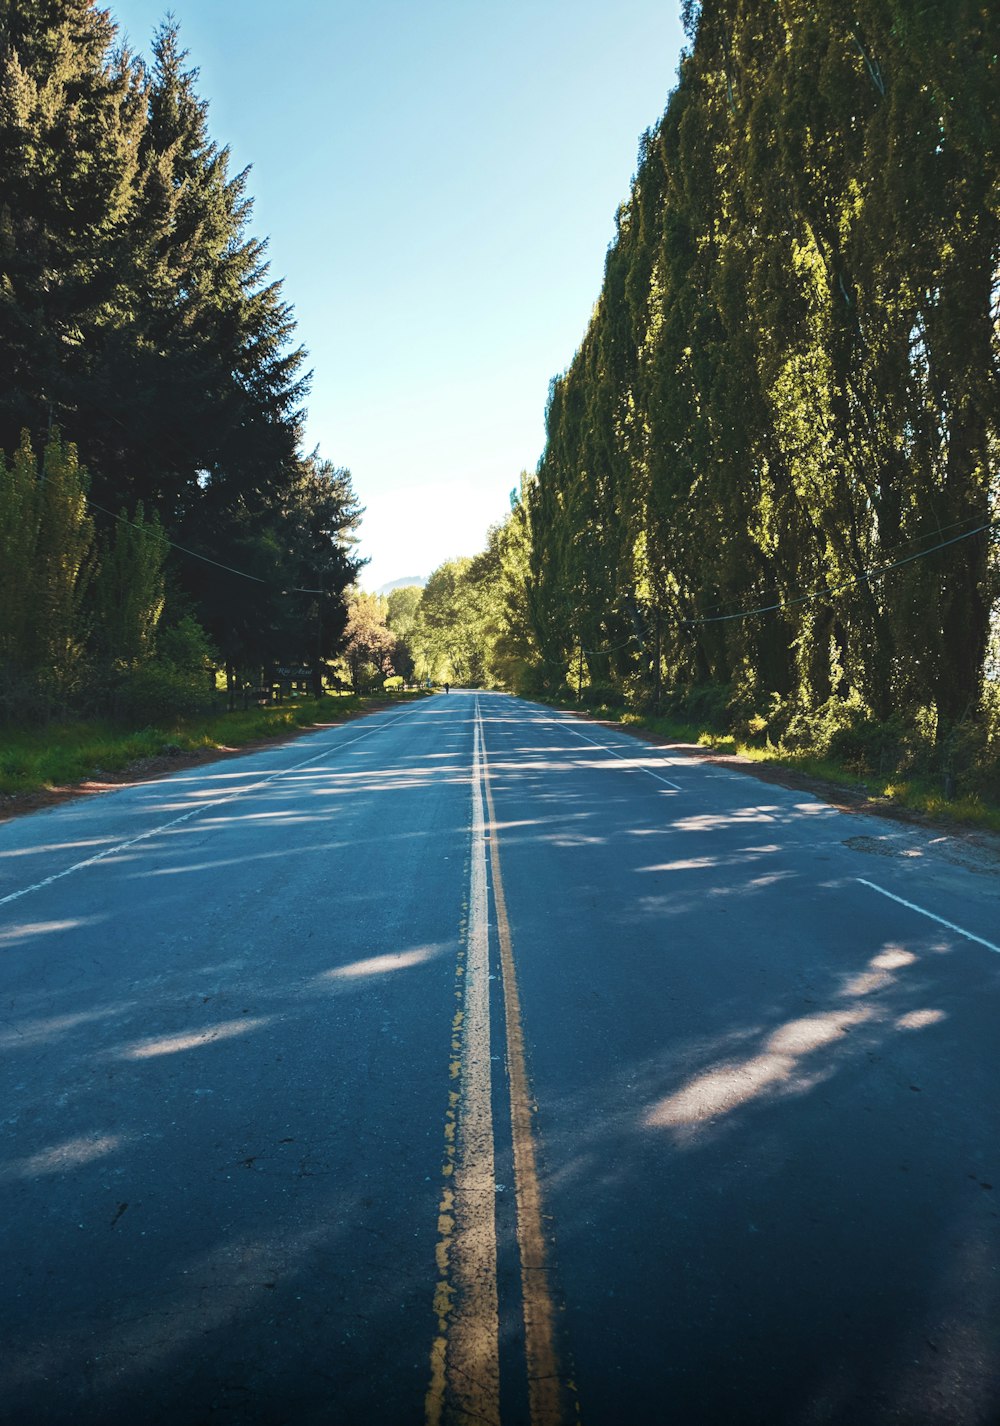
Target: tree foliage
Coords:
[[138, 317], [130, 591], [46, 550], [471, 624], [370, 645], [401, 617], [788, 397]]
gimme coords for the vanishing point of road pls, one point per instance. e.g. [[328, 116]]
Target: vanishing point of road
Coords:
[[470, 1063]]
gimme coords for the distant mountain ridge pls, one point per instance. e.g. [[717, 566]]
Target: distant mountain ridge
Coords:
[[418, 579]]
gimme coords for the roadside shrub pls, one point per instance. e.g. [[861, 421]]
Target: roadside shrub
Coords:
[[187, 647], [706, 706], [754, 721], [869, 745], [526, 679], [968, 760], [178, 683], [600, 695], [159, 692], [636, 692], [21, 700], [813, 730]]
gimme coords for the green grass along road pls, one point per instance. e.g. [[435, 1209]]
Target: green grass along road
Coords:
[[60, 754]]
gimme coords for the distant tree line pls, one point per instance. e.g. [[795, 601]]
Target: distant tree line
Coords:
[[770, 481], [468, 625], [154, 491]]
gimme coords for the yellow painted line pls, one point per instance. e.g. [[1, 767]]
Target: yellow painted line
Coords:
[[544, 1392], [465, 1357]]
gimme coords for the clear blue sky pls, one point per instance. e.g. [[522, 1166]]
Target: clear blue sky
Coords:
[[438, 180]]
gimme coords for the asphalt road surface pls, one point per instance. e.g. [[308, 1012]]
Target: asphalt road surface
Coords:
[[470, 1063]]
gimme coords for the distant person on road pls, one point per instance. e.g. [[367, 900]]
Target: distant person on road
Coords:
[[447, 688]]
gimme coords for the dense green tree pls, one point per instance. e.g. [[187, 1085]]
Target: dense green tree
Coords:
[[136, 311], [19, 520], [473, 623], [448, 635], [71, 115], [137, 314], [512, 654], [212, 336], [369, 644], [270, 582], [317, 522], [47, 540], [789, 385], [129, 591], [401, 617]]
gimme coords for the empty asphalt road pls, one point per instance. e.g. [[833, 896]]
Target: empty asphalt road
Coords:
[[472, 1063]]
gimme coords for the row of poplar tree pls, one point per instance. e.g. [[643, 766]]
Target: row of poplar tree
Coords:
[[155, 503], [771, 470]]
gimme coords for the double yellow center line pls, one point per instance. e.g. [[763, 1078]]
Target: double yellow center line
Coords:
[[465, 1357]]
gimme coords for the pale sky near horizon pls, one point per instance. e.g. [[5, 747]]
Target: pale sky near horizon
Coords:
[[439, 183]]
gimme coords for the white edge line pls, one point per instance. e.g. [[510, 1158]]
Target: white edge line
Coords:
[[911, 906], [605, 749], [186, 816]]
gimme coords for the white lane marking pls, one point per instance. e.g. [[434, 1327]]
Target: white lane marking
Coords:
[[931, 916], [559, 723], [186, 816]]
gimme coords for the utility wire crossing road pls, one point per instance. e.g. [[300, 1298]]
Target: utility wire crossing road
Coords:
[[470, 1064]]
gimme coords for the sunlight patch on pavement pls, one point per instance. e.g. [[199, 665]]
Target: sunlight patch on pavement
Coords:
[[36, 928], [712, 821], [382, 965], [812, 1032], [70, 1154], [194, 1039], [37, 1032], [41, 848], [879, 974], [731, 1085], [920, 1019], [684, 864]]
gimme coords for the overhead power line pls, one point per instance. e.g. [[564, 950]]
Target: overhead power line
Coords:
[[189, 460], [910, 540], [206, 559], [876, 572], [864, 577]]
